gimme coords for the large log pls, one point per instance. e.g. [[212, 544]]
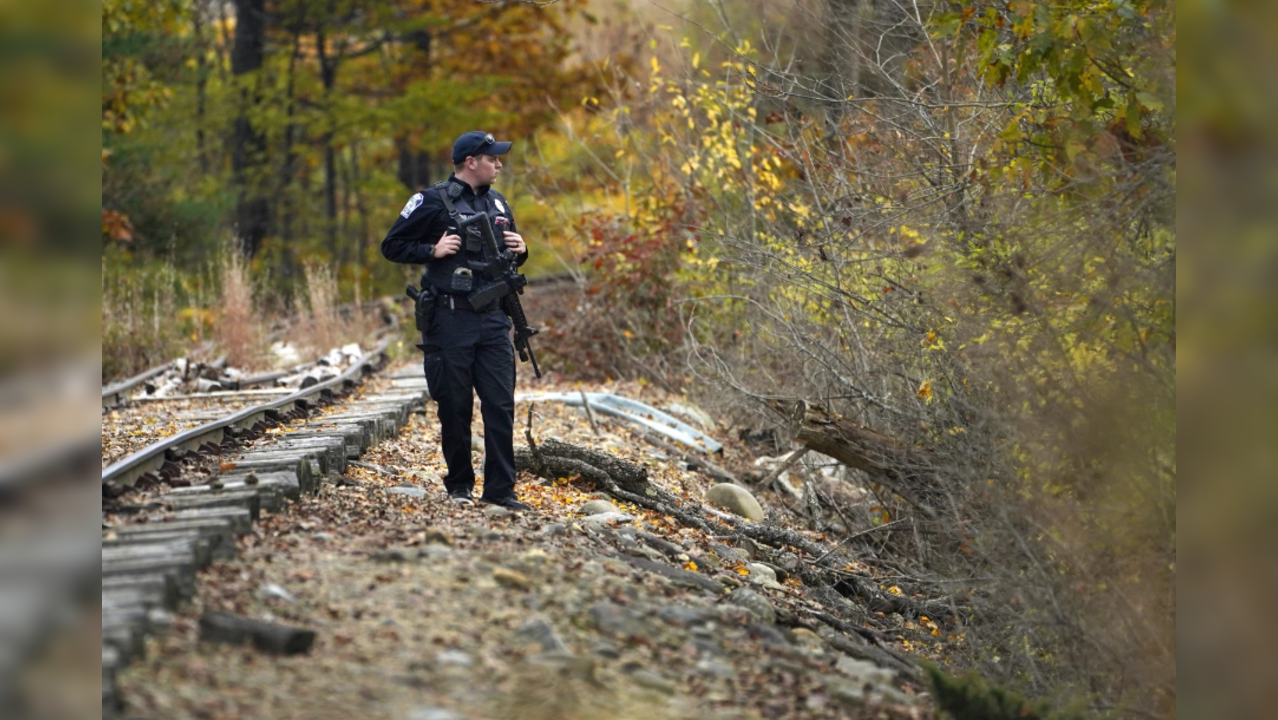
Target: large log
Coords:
[[893, 464]]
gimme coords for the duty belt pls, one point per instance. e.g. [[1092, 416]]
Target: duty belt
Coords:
[[456, 302]]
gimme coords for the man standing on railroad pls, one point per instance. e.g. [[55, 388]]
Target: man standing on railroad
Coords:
[[467, 351]]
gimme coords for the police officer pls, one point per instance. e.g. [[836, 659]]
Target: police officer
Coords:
[[467, 351]]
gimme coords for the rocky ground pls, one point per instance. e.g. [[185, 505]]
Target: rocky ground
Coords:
[[583, 608]]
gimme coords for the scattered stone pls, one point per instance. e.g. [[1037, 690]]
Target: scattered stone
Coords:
[[497, 511], [769, 635], [717, 668], [323, 536], [390, 556], [684, 616], [756, 604], [456, 658], [616, 620], [437, 536], [608, 517], [476, 444], [512, 579], [804, 637], [408, 490], [605, 649], [425, 476], [762, 574], [543, 633], [554, 530], [733, 614], [433, 713], [736, 500], [595, 507], [271, 591], [779, 572], [728, 553], [434, 551], [652, 681], [570, 665], [863, 672]]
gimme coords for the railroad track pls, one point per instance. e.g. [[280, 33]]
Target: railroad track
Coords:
[[177, 504], [137, 411]]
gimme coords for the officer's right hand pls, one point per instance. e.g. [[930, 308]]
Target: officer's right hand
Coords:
[[447, 245]]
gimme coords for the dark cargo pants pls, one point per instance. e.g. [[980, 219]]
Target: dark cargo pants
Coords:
[[470, 353]]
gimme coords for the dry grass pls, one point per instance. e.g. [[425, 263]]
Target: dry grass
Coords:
[[138, 327], [240, 332], [324, 328]]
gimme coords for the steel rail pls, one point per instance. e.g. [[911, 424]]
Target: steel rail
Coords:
[[127, 471], [111, 394]]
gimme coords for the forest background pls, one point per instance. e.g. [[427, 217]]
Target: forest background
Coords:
[[951, 222]]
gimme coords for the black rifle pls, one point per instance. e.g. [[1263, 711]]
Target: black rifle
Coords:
[[500, 263]]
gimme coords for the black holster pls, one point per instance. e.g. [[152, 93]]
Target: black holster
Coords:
[[424, 310]]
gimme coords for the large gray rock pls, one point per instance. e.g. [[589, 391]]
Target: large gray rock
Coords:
[[759, 607], [736, 500], [411, 491], [542, 633]]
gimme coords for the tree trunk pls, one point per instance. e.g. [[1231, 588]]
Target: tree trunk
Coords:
[[248, 146], [288, 168], [903, 470], [414, 165], [328, 75], [201, 83]]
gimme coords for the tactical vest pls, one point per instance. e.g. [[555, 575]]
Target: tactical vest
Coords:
[[442, 274]]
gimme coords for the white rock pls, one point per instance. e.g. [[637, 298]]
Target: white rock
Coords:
[[595, 507], [736, 500], [761, 573], [277, 592], [607, 517], [285, 354]]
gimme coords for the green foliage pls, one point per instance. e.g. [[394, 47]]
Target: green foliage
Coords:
[[971, 697]]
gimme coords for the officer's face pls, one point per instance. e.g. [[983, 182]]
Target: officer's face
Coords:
[[487, 168]]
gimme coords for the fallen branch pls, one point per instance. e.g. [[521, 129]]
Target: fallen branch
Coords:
[[554, 459], [629, 482], [699, 464]]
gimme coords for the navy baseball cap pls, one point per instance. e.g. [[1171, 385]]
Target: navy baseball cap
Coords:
[[476, 143]]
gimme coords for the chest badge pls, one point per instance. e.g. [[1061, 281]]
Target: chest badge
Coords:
[[500, 208]]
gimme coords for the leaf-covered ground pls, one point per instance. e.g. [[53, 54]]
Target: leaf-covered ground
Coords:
[[431, 611]]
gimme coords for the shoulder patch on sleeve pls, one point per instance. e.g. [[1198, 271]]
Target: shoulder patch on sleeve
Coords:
[[413, 203]]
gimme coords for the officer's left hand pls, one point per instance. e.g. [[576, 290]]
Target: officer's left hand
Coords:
[[515, 242]]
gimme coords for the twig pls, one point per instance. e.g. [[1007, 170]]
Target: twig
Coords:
[[532, 445], [853, 536], [715, 471], [371, 466], [789, 463], [590, 414]]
